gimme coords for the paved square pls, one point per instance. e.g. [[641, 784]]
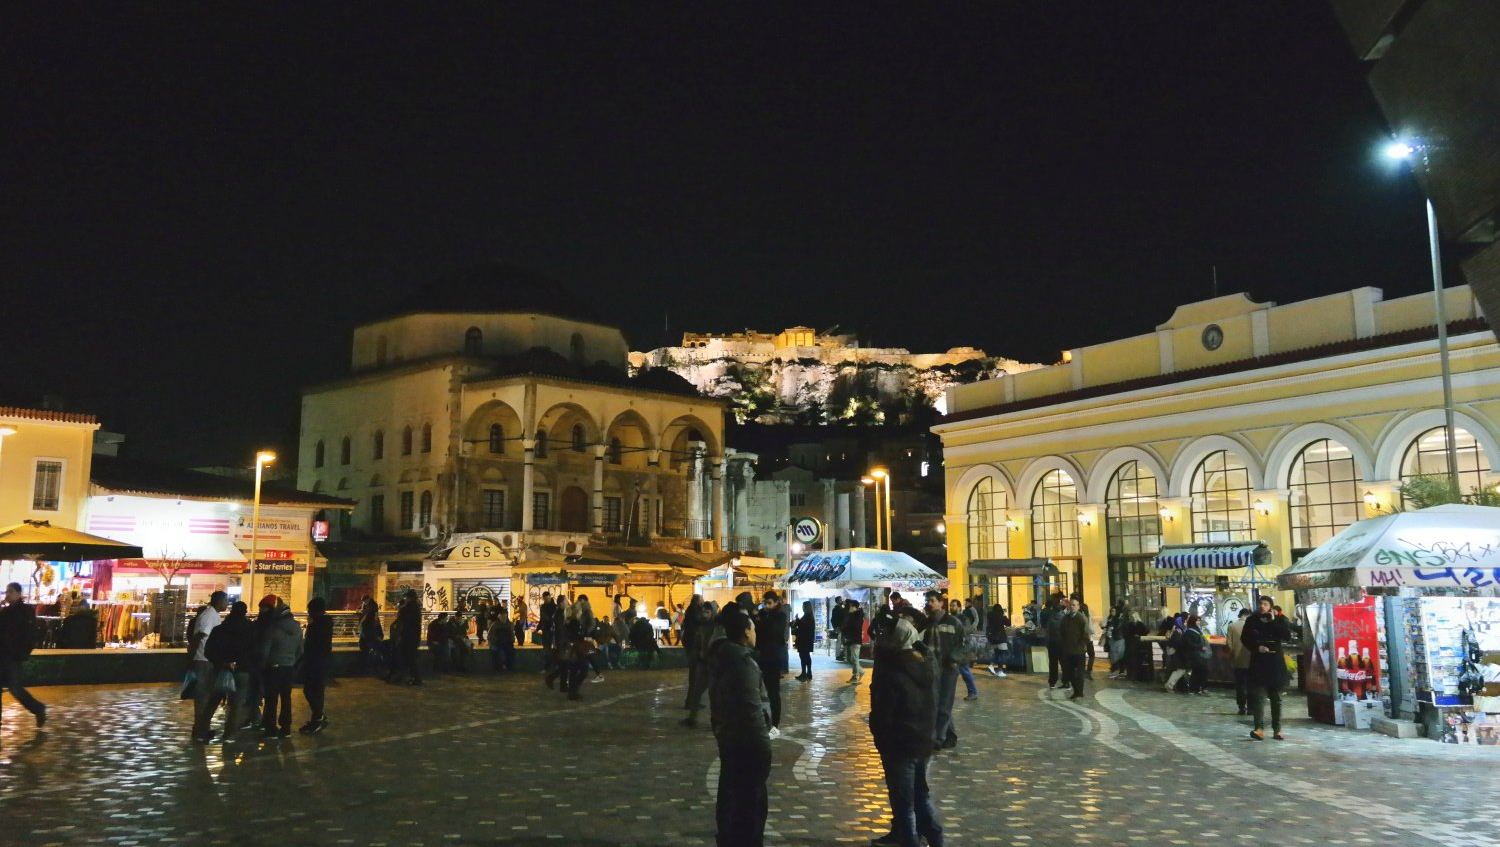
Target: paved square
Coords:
[[481, 760]]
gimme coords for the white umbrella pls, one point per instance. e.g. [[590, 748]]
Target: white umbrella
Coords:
[[862, 567], [1454, 546]]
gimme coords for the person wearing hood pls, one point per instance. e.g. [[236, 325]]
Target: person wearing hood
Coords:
[[231, 647], [742, 728], [316, 664], [903, 709], [280, 650]]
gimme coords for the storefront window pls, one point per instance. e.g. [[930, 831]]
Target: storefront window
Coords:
[[1221, 499], [1428, 455], [988, 535], [1054, 516], [1325, 495], [1134, 514]]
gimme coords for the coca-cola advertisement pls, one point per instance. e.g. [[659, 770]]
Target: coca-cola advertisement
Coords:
[[1356, 654]]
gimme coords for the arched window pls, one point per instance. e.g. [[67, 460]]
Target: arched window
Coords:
[[1133, 522], [1428, 456], [575, 344], [377, 445], [424, 510], [616, 451], [1054, 516], [406, 441], [318, 454], [989, 538], [1325, 495], [497, 438], [426, 438], [380, 351], [540, 451], [1221, 499], [580, 439], [344, 451], [473, 342]]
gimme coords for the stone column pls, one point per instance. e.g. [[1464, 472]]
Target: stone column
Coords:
[[598, 522], [857, 512], [651, 498], [716, 472], [693, 493], [830, 516], [528, 482]]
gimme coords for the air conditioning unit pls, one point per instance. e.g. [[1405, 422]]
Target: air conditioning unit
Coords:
[[706, 545], [572, 548], [510, 540], [430, 532]]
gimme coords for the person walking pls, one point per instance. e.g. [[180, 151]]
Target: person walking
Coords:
[[231, 648], [903, 709], [853, 638], [1196, 650], [742, 725], [280, 650], [836, 628], [1114, 639], [408, 637], [997, 633], [317, 664], [770, 639], [1073, 633], [1239, 659], [804, 635], [963, 615], [704, 634], [205, 701], [1265, 636], [545, 623], [944, 638], [17, 639]]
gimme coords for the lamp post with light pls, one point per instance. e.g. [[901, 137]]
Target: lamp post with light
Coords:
[[884, 476], [1403, 151], [869, 480], [263, 458]]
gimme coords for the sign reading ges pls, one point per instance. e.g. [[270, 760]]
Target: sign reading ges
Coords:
[[807, 530]]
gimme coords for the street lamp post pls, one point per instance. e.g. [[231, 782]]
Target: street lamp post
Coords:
[[263, 458], [885, 478], [879, 524], [1401, 151]]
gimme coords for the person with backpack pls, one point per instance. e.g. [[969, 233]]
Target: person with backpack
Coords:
[[17, 639]]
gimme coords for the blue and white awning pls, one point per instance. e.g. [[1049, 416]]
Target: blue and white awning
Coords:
[[1213, 557]]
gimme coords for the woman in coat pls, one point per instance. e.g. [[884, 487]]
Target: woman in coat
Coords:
[[997, 633], [903, 709], [1265, 636], [804, 634], [1194, 646]]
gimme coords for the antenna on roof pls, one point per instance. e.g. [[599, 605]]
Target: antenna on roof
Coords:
[[1214, 269]]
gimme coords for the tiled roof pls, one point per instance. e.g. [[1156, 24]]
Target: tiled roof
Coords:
[[1306, 354], [128, 476], [46, 415]]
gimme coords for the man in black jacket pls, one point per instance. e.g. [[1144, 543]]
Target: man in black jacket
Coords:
[[1072, 648], [903, 710], [317, 663], [231, 647], [853, 637], [409, 624], [17, 638], [944, 638], [742, 728], [770, 640]]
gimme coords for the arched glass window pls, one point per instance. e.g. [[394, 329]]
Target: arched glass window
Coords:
[[406, 441], [1133, 522], [426, 438], [318, 454], [580, 439], [377, 444], [1428, 455], [473, 342], [497, 438], [616, 451], [541, 444], [1221, 499], [1054, 516], [424, 510], [575, 344], [344, 451], [1325, 495], [989, 538]]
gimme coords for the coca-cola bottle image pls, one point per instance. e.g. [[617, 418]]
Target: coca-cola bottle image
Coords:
[[1355, 669], [1341, 671], [1372, 688]]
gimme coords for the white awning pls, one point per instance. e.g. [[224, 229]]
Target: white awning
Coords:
[[1215, 557], [195, 548]]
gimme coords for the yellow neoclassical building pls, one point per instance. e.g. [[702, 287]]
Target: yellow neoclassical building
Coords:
[[1238, 425]]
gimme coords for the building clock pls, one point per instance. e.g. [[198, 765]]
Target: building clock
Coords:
[[1213, 337]]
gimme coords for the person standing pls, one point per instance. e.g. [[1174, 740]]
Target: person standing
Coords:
[[1195, 647], [206, 701], [742, 730], [704, 635], [231, 647], [997, 633], [408, 637], [804, 635], [280, 650], [770, 640], [836, 628], [502, 641], [371, 633], [17, 639], [1265, 636], [944, 639], [317, 663], [1052, 624], [1239, 659], [853, 638], [965, 665], [545, 622], [518, 610], [1073, 632], [903, 708]]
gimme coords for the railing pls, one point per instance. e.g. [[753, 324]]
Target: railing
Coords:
[[744, 543]]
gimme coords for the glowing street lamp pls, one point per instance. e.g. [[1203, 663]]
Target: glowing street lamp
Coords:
[[884, 477], [263, 458], [1403, 151]]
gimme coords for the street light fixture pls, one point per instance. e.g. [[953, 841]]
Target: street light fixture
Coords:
[[885, 477], [1403, 151], [879, 525], [263, 458]]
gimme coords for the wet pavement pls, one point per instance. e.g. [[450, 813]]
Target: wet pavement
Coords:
[[482, 760]]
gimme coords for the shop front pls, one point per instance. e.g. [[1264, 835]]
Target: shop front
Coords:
[[1214, 581], [472, 571], [862, 574]]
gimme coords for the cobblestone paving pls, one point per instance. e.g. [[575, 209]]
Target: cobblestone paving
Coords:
[[481, 760]]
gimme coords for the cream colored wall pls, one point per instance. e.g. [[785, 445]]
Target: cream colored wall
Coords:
[[1131, 358], [1041, 382], [1323, 320], [423, 336], [1188, 351], [41, 439]]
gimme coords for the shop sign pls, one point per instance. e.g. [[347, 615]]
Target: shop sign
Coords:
[[275, 566], [595, 580], [284, 530], [477, 550], [807, 530], [320, 530], [557, 578], [1356, 650]]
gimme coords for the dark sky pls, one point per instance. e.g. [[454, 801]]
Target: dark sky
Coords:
[[200, 202]]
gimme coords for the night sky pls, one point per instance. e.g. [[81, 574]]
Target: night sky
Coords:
[[199, 203]]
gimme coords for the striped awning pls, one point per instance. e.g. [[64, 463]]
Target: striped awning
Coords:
[[1213, 557]]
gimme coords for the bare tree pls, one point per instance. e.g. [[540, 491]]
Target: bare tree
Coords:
[[168, 564]]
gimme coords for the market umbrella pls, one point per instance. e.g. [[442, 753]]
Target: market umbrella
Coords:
[[1445, 546], [862, 567], [41, 541]]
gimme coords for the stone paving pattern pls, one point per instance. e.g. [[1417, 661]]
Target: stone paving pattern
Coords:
[[486, 760]]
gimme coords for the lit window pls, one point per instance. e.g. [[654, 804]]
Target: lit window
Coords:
[[988, 537], [1221, 499], [46, 488], [1054, 516], [1325, 493], [1428, 456]]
